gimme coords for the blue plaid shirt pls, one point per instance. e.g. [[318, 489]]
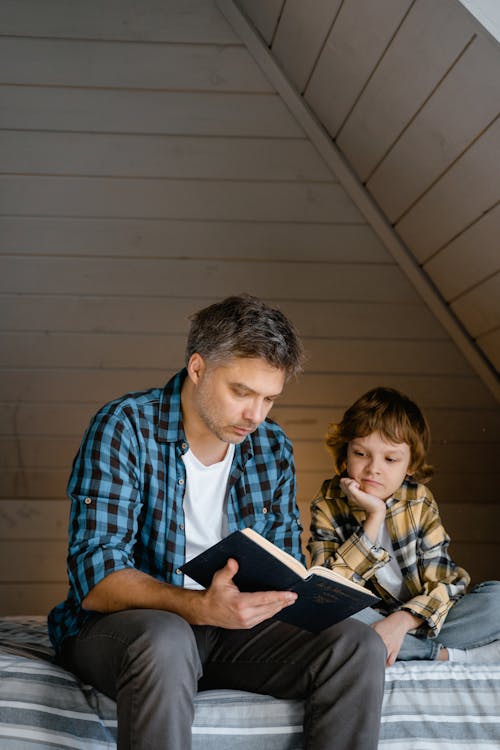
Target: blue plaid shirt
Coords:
[[127, 488]]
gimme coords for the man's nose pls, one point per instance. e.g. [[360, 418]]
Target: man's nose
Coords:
[[254, 412]]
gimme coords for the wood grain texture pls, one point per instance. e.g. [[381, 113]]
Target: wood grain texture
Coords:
[[350, 55], [427, 44], [451, 120]]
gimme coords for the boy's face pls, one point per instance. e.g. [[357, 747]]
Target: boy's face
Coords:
[[379, 467]]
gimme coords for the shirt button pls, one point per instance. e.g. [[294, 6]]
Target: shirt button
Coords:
[[181, 526], [184, 446], [181, 482], [179, 571], [87, 501], [264, 510]]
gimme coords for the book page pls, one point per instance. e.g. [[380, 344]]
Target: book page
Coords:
[[275, 551]]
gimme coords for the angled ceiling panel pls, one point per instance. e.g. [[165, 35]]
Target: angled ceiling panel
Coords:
[[408, 92]]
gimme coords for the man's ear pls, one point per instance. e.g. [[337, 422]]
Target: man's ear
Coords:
[[196, 367]]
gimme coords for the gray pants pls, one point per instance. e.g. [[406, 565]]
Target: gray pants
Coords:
[[153, 663]]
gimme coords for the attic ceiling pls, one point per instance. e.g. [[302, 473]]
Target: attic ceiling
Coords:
[[408, 91]]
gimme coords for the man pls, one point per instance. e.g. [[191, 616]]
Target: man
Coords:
[[162, 475]]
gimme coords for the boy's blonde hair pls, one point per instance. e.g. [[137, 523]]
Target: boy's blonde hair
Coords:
[[395, 417]]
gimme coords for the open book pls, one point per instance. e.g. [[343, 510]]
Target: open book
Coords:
[[325, 597]]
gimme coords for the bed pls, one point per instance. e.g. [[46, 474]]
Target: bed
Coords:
[[427, 706]]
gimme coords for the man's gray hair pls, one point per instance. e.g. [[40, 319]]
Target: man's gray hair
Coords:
[[245, 326]]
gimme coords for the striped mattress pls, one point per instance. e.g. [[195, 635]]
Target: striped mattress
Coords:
[[427, 706]]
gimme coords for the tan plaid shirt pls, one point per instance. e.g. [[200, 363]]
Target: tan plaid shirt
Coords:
[[420, 544]]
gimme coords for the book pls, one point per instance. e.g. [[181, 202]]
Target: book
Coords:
[[324, 596]]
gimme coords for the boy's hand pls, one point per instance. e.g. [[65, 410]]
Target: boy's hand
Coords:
[[392, 629], [369, 503], [374, 507]]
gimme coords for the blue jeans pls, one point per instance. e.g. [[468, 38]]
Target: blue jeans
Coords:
[[474, 620]]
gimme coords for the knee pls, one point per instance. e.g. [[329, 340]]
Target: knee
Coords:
[[360, 644], [368, 643], [489, 592], [162, 640]]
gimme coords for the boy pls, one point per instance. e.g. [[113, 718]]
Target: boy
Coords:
[[376, 523]]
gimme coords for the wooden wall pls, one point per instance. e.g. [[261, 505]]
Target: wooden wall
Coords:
[[149, 168]]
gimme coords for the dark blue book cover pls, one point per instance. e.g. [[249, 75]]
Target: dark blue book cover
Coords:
[[325, 597]]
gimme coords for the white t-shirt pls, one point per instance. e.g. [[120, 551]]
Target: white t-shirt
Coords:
[[390, 576], [204, 512]]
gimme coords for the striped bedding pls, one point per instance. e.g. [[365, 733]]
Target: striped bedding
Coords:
[[427, 706]]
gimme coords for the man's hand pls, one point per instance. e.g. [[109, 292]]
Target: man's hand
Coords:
[[225, 606]]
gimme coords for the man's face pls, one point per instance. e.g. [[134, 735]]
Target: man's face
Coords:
[[379, 467], [233, 398]]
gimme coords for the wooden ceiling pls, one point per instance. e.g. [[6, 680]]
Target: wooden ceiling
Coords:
[[408, 91]]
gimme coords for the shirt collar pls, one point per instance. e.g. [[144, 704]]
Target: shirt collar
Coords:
[[171, 428]]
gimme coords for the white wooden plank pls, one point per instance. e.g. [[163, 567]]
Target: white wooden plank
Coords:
[[51, 484], [40, 350], [468, 259], [299, 422], [350, 55], [479, 309], [377, 356], [163, 238], [490, 345], [129, 65], [128, 314], [458, 111], [184, 278], [447, 488], [300, 36], [34, 483], [428, 391], [77, 386], [464, 458], [154, 112], [465, 525], [33, 519], [48, 519], [91, 350], [467, 190], [447, 425], [482, 561], [194, 21], [426, 45], [38, 452], [33, 561], [43, 452], [57, 419], [30, 598], [95, 154], [177, 199], [264, 14]]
